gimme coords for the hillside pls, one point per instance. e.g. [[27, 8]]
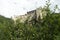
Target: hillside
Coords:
[[5, 21]]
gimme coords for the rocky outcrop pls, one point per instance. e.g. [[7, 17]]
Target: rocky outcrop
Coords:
[[32, 14]]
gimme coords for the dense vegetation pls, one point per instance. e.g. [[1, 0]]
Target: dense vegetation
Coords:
[[5, 24], [46, 29]]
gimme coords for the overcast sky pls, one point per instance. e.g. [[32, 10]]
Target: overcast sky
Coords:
[[10, 8]]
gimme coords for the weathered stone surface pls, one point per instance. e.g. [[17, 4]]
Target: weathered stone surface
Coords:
[[32, 14]]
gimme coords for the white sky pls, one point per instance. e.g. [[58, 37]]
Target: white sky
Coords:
[[10, 8]]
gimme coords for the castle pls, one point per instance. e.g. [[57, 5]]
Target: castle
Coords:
[[31, 14]]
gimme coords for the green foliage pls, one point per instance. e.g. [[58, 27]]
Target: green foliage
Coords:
[[5, 24], [48, 29]]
